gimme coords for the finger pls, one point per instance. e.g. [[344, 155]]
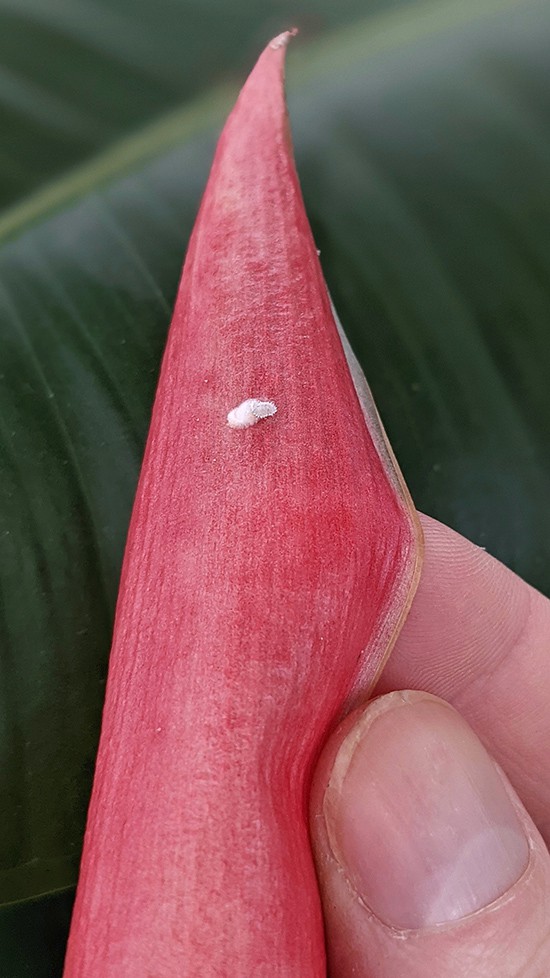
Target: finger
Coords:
[[428, 864], [479, 636]]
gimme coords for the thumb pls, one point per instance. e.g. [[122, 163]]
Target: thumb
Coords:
[[428, 864]]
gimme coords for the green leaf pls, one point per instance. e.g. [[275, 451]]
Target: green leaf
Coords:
[[423, 144], [33, 937], [76, 74]]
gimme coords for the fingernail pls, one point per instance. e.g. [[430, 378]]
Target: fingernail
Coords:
[[418, 815]]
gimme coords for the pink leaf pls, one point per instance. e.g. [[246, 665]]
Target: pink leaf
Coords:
[[269, 565]]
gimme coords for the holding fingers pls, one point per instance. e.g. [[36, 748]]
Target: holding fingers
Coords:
[[430, 864]]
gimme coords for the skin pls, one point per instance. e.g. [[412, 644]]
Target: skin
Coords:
[[478, 639]]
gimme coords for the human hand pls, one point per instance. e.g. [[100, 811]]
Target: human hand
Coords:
[[430, 865]]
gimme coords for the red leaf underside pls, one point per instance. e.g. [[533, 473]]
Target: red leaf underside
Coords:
[[266, 569]]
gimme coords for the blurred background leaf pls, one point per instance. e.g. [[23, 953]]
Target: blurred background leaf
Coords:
[[423, 145], [33, 937], [76, 74]]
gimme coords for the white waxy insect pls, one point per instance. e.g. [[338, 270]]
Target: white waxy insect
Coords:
[[250, 412]]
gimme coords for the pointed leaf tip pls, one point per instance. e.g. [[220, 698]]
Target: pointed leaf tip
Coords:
[[282, 40]]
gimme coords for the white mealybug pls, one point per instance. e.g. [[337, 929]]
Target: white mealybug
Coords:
[[250, 412]]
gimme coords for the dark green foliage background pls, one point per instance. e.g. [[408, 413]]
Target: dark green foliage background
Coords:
[[422, 138]]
